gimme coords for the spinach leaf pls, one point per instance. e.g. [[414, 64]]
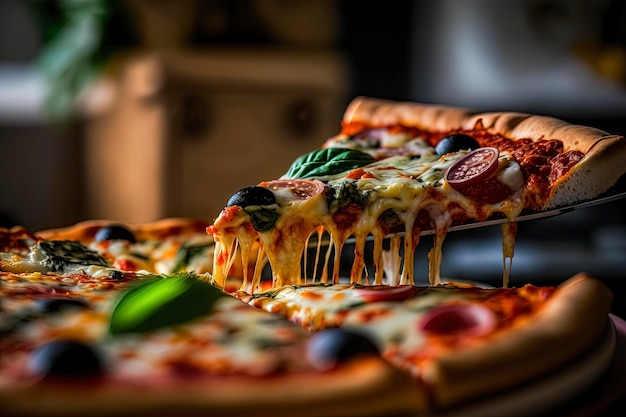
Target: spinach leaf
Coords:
[[186, 253], [60, 255], [328, 161], [344, 193]]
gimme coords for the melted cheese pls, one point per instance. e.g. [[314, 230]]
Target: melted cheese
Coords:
[[234, 339], [404, 184], [509, 230], [192, 253], [313, 306], [395, 326]]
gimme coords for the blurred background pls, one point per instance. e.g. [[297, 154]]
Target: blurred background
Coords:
[[135, 110]]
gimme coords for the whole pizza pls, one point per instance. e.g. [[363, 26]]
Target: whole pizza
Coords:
[[177, 317]]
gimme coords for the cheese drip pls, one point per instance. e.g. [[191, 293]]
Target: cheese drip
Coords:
[[509, 231], [393, 194]]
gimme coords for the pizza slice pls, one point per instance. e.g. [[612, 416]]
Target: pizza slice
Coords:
[[92, 339], [107, 248], [462, 341], [399, 170], [174, 344], [166, 246]]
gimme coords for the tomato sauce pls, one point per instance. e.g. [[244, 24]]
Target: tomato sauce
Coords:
[[543, 162], [489, 191]]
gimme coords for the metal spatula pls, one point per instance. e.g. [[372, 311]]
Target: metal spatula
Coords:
[[607, 198]]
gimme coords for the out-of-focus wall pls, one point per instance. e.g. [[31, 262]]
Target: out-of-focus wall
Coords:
[[39, 166], [187, 129], [226, 101], [566, 58], [210, 96]]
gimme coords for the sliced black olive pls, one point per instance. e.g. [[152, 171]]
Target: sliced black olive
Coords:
[[65, 359], [114, 232], [330, 347], [117, 275], [455, 143], [52, 305], [252, 196]]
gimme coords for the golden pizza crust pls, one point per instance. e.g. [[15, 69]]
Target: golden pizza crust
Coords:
[[603, 165], [85, 231], [570, 323], [363, 387], [605, 154]]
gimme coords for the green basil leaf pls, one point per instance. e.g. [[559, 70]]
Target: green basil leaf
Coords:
[[162, 302], [328, 161]]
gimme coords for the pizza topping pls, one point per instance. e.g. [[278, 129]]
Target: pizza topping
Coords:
[[162, 302], [252, 196], [368, 138], [187, 253], [562, 163], [508, 179], [295, 190], [455, 143], [473, 168], [458, 319], [259, 203], [330, 347], [65, 359], [490, 191], [326, 162], [510, 174], [125, 264], [375, 293], [52, 305], [342, 194], [64, 255], [114, 232]]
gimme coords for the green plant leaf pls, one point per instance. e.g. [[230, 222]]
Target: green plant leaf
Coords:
[[328, 161], [162, 302], [79, 37]]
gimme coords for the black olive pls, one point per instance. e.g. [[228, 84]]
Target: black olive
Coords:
[[117, 275], [52, 305], [330, 347], [252, 196], [65, 359], [114, 232], [455, 143]]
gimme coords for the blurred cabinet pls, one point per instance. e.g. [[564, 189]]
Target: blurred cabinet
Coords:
[[177, 133]]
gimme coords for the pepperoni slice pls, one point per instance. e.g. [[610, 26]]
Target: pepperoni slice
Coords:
[[125, 265], [473, 168], [375, 293], [300, 189], [458, 319]]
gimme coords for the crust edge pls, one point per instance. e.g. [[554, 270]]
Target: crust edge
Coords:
[[345, 391], [601, 168], [567, 326], [85, 231]]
